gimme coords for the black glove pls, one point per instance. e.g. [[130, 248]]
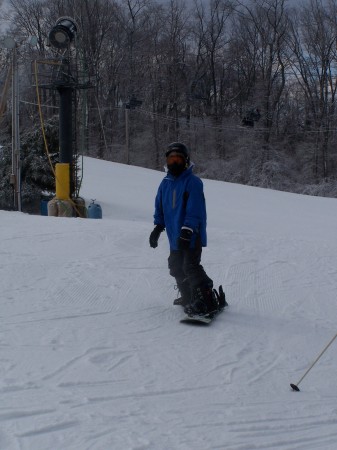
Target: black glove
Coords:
[[185, 238], [154, 236]]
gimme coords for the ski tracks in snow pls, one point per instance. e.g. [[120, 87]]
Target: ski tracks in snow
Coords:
[[84, 336], [93, 355], [261, 292]]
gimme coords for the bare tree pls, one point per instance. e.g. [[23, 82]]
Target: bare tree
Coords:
[[31, 18], [266, 43], [213, 32], [314, 65]]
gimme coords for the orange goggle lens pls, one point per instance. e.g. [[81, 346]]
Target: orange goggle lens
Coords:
[[175, 158]]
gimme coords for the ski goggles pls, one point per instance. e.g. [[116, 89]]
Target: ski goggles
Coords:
[[175, 157]]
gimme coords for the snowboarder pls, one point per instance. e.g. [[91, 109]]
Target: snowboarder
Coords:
[[180, 209]]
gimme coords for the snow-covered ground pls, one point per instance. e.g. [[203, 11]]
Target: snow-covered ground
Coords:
[[92, 354]]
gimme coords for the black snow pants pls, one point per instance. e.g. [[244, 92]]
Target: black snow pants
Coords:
[[185, 267]]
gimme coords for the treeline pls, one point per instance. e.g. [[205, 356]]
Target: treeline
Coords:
[[249, 85]]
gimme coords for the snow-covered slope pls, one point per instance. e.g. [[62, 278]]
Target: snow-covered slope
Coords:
[[92, 352]]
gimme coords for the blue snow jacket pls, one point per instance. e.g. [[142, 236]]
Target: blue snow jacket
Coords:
[[180, 202]]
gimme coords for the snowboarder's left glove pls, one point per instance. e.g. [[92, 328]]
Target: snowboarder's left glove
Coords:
[[154, 236], [185, 238]]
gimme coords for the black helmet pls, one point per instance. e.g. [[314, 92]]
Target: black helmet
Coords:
[[181, 148]]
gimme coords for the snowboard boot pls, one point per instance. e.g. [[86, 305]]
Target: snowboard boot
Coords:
[[204, 301], [185, 291]]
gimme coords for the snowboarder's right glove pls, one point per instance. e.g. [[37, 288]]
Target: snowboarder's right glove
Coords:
[[185, 238], [154, 236]]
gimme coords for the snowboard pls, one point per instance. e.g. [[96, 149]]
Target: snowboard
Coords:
[[198, 319]]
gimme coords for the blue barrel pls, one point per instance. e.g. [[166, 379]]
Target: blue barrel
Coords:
[[94, 211], [44, 205]]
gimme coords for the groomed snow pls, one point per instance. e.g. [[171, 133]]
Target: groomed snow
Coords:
[[92, 354]]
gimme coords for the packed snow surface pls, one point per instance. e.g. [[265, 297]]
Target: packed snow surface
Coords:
[[92, 352]]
